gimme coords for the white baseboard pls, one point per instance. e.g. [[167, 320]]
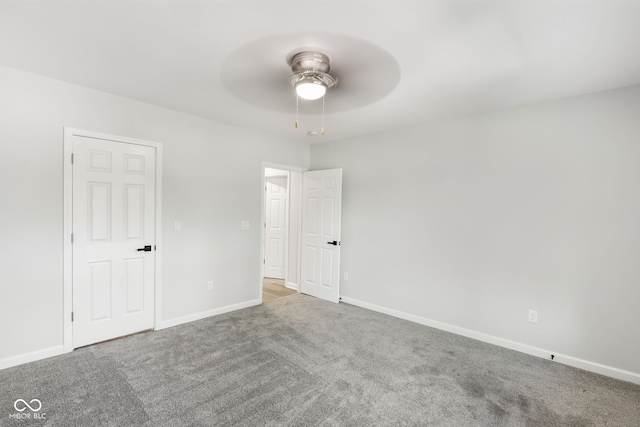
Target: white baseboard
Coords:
[[20, 359], [291, 285], [204, 314], [598, 368]]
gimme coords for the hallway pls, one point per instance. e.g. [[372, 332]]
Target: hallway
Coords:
[[274, 289]]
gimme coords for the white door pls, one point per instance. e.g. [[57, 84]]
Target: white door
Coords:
[[321, 205], [276, 226], [113, 218]]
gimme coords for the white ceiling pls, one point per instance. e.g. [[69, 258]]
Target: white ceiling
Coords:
[[399, 62]]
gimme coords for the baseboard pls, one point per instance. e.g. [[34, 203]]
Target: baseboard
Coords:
[[598, 368], [502, 342], [20, 359], [291, 285], [58, 350], [204, 314]]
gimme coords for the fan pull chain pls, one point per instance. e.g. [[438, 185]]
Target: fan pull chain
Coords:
[[322, 131], [298, 113], [297, 101]]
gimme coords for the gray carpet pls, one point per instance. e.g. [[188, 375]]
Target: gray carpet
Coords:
[[300, 361]]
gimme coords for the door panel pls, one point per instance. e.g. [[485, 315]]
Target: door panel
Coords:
[[134, 284], [113, 216], [100, 288], [99, 216], [134, 211], [321, 215]]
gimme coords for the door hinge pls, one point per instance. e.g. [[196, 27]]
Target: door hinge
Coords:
[[71, 158], [72, 316], [71, 237], [264, 261]]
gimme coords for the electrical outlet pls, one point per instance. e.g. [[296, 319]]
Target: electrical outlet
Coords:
[[210, 285], [345, 276], [177, 226], [533, 316], [244, 225]]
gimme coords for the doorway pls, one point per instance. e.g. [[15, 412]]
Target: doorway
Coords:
[[276, 213], [281, 220], [312, 246]]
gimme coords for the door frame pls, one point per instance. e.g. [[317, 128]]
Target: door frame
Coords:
[[263, 218], [67, 299]]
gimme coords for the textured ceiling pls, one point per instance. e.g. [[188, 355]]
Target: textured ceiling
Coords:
[[399, 62]]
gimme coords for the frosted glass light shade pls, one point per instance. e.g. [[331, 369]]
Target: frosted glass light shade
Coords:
[[308, 89]]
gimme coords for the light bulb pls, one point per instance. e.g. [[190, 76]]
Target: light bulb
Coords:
[[310, 90]]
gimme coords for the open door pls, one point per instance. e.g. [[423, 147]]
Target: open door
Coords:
[[321, 208]]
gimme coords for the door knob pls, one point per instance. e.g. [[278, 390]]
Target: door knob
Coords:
[[145, 249], [334, 243]]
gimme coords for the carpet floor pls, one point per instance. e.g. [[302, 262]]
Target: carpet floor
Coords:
[[301, 361]]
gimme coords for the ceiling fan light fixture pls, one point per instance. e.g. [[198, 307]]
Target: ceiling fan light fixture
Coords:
[[310, 89], [310, 77]]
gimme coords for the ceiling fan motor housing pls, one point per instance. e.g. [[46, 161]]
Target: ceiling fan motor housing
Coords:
[[310, 61]]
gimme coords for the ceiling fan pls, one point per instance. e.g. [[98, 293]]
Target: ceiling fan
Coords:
[[310, 77], [256, 73]]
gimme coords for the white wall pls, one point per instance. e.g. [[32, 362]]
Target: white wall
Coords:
[[212, 181], [472, 222]]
